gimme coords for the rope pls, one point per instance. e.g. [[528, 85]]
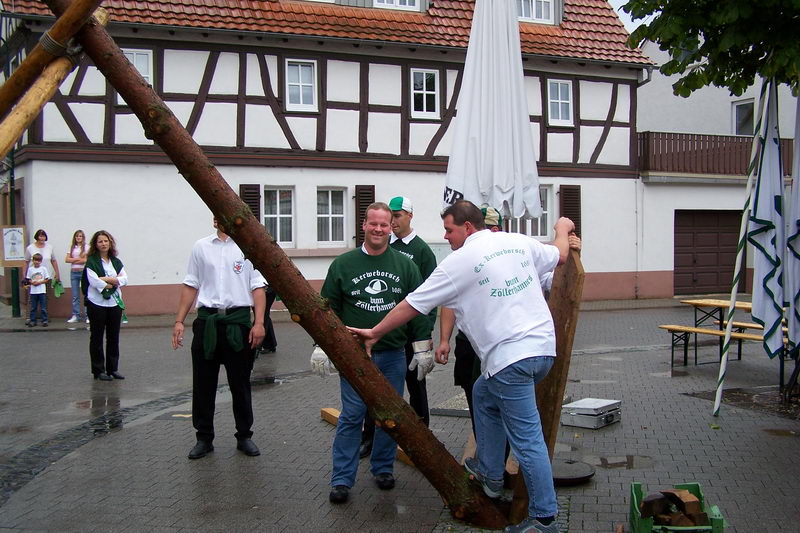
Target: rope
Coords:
[[51, 46]]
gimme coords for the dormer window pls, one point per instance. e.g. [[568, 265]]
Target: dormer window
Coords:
[[397, 4], [535, 11]]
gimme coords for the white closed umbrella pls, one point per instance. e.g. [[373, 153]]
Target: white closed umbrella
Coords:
[[793, 243], [492, 160]]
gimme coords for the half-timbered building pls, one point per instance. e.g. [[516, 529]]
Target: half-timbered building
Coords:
[[313, 109]]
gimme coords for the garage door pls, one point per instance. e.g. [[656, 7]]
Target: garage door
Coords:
[[705, 250]]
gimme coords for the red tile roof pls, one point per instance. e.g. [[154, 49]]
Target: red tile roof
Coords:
[[590, 29]]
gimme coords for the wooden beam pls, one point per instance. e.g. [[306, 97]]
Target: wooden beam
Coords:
[[564, 303], [74, 17]]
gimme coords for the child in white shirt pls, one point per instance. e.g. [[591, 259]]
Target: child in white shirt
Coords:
[[38, 276]]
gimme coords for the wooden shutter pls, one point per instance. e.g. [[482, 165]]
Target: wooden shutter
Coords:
[[365, 195], [251, 195], [569, 202]]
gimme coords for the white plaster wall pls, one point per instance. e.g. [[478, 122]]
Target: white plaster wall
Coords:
[[452, 76], [658, 205], [420, 135], [616, 150], [182, 111], [383, 133], [533, 93], [183, 70], [261, 129], [595, 100], [91, 118], [445, 144], [305, 131], [343, 81], [53, 126], [342, 130], [226, 75], [272, 68], [253, 85], [129, 130], [66, 85], [623, 112], [590, 135], [559, 147], [384, 84], [94, 83], [217, 125]]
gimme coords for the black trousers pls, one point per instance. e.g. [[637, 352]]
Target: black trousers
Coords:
[[205, 376], [270, 342], [417, 398], [104, 321], [464, 371]]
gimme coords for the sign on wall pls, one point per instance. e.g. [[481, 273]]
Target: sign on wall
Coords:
[[13, 246]]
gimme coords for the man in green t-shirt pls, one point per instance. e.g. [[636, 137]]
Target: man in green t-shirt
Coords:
[[406, 241], [361, 287]]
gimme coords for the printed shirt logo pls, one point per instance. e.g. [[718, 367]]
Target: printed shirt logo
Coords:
[[238, 266], [376, 287]]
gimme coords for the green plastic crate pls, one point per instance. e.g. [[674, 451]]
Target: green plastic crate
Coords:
[[645, 525]]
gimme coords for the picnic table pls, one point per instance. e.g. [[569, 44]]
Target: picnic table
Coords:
[[713, 310]]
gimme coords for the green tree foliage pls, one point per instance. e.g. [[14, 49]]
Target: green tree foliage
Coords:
[[726, 43]]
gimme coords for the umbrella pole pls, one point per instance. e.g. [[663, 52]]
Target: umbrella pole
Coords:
[[740, 247]]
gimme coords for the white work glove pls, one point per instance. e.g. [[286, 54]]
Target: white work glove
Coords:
[[423, 358], [320, 364]]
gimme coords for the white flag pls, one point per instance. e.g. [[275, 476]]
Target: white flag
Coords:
[[766, 231]]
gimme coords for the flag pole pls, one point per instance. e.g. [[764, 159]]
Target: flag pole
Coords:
[[759, 135]]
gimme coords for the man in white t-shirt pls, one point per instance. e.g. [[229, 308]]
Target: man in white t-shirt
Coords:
[[512, 333]]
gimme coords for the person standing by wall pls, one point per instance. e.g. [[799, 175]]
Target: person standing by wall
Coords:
[[42, 247], [78, 250], [226, 286], [38, 278], [102, 282]]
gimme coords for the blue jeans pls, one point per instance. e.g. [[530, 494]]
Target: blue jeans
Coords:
[[75, 281], [392, 363], [505, 407], [39, 300]]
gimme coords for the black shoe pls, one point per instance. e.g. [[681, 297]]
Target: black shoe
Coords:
[[45, 324], [201, 449], [116, 375], [103, 377], [365, 449], [248, 447], [339, 494], [385, 481]]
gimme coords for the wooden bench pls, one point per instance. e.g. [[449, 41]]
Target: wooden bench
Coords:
[[680, 334], [742, 326]]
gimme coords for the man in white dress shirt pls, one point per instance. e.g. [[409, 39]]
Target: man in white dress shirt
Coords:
[[226, 287]]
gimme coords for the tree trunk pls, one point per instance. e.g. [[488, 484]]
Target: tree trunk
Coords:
[[466, 499], [564, 303], [76, 15]]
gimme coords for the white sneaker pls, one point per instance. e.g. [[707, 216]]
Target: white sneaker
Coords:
[[73, 319], [87, 320], [124, 320]]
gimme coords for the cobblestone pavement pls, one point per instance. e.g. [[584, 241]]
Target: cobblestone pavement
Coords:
[[79, 455]]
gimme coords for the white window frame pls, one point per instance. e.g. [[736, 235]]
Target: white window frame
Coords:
[[551, 99], [734, 123], [331, 216], [538, 228], [409, 5], [131, 54], [280, 216], [531, 6], [303, 106], [431, 115]]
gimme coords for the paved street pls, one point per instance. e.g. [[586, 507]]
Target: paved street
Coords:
[[81, 455]]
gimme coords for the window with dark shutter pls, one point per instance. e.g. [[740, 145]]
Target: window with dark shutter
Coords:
[[251, 195], [365, 195], [570, 204]]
